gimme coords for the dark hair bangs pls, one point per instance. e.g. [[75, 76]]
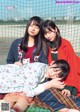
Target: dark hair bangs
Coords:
[[45, 28], [36, 23]]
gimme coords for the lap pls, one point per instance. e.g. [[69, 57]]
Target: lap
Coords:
[[17, 97], [12, 97], [54, 100]]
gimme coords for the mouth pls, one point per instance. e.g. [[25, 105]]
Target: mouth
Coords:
[[50, 39], [32, 32]]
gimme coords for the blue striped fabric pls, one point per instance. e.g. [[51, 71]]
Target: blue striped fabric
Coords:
[[53, 100]]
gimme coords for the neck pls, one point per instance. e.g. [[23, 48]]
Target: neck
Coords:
[[31, 41]]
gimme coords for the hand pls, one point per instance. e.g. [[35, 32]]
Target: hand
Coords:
[[18, 63], [66, 92], [52, 62], [56, 83]]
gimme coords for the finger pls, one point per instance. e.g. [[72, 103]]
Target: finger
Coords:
[[61, 87], [62, 91], [52, 62], [68, 94]]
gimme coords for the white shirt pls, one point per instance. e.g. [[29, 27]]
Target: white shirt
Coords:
[[25, 78]]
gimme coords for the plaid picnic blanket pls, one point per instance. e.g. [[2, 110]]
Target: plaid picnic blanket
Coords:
[[68, 102]]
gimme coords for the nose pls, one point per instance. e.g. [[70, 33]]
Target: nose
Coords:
[[33, 28], [47, 35]]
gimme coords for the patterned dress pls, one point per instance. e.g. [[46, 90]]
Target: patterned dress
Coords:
[[25, 78]]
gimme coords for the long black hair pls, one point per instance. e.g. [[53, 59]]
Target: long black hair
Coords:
[[37, 40], [49, 25]]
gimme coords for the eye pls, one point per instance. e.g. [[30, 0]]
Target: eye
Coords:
[[36, 27], [31, 25], [49, 32], [54, 70], [46, 33]]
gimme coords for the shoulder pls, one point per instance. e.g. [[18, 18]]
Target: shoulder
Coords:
[[66, 46], [38, 64], [17, 41], [65, 43]]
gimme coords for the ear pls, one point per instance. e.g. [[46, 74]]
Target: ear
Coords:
[[56, 30]]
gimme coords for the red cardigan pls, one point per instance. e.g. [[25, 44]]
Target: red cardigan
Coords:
[[66, 52]]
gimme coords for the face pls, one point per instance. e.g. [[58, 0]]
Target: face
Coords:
[[53, 71], [33, 30], [50, 35]]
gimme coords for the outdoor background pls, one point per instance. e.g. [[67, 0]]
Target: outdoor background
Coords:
[[15, 13]]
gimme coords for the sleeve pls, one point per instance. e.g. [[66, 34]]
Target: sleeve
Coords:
[[13, 52], [42, 58], [36, 91], [10, 57], [71, 58], [72, 90], [73, 74]]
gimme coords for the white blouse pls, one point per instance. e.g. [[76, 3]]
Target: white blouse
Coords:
[[25, 78]]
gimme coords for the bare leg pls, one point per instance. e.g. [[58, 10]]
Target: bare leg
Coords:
[[68, 110], [10, 99], [21, 104]]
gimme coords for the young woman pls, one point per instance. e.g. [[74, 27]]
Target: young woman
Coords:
[[60, 48], [13, 79], [28, 48], [55, 47]]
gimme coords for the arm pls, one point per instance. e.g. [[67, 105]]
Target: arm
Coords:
[[56, 83], [13, 52], [67, 53], [10, 58]]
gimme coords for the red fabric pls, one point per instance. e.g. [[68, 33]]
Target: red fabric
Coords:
[[16, 109], [2, 96], [66, 52], [28, 54]]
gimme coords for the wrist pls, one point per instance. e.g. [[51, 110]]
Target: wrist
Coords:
[[47, 85]]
